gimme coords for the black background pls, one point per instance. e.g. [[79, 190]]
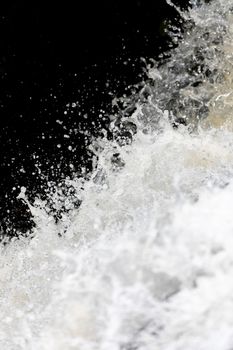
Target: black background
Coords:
[[56, 53]]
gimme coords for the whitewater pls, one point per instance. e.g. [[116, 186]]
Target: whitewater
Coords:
[[146, 261]]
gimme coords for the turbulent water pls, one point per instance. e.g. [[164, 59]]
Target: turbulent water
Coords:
[[146, 261]]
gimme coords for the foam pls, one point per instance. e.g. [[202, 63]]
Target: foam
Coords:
[[146, 261]]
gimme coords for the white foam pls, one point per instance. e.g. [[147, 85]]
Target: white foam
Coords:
[[146, 261]]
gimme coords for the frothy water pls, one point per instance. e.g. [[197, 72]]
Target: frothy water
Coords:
[[146, 261]]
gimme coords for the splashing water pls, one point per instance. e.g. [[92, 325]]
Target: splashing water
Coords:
[[146, 260]]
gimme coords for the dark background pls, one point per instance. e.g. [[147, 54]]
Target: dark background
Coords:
[[52, 55]]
